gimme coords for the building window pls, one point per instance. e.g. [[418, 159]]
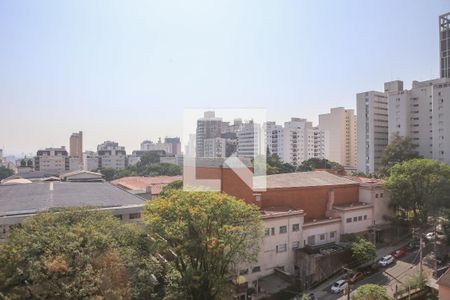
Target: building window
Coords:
[[365, 217], [332, 235], [360, 218], [243, 272], [283, 229], [118, 217], [376, 195], [135, 216], [355, 219], [256, 269], [322, 236], [381, 195], [281, 248], [349, 220], [296, 245], [295, 227], [272, 231], [267, 232]]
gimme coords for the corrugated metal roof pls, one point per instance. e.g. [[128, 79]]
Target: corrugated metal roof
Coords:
[[305, 179], [46, 195]]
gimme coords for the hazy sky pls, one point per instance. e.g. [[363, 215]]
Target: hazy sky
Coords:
[[126, 70]]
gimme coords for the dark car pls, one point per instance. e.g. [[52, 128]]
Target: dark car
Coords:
[[355, 277]]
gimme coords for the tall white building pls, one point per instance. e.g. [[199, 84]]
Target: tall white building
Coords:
[[111, 155], [214, 147], [274, 138], [372, 126], [159, 146], [340, 124], [422, 113], [54, 160], [249, 140]]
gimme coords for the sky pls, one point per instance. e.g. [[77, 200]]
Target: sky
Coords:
[[127, 70]]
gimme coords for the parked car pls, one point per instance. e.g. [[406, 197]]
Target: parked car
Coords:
[[339, 286], [355, 277], [385, 261], [398, 253]]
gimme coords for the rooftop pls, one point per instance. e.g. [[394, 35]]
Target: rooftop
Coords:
[[365, 180], [305, 179], [37, 196], [155, 184]]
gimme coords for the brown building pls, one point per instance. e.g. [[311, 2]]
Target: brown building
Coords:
[[313, 192], [76, 145]]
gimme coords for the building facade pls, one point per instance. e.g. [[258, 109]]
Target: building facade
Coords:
[[76, 145], [53, 160], [444, 46], [111, 155], [340, 124], [372, 129]]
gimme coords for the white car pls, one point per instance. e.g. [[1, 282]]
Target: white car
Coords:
[[385, 261], [339, 286]]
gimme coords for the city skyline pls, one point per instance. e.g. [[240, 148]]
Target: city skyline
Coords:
[[116, 74]]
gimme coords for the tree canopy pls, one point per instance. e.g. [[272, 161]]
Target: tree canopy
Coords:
[[363, 250], [398, 150], [319, 163], [210, 234], [174, 185], [5, 172], [151, 169], [419, 185], [79, 254], [370, 292]]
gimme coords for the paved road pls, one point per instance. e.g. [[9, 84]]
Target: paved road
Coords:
[[401, 269]]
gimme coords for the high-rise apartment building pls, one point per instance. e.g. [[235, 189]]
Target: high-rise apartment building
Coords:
[[52, 160], [111, 155], [249, 140], [274, 138], [208, 127], [444, 47], [422, 113], [76, 145], [174, 145], [301, 141], [340, 124], [372, 126]]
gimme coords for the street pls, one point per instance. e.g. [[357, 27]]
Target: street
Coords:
[[401, 269]]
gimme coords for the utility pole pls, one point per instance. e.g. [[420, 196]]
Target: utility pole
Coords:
[[421, 256]]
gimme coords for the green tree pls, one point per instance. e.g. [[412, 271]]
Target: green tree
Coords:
[[5, 172], [319, 163], [370, 292], [174, 185], [419, 185], [276, 166], [78, 254], [398, 150], [210, 234], [363, 250], [109, 173], [150, 157]]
